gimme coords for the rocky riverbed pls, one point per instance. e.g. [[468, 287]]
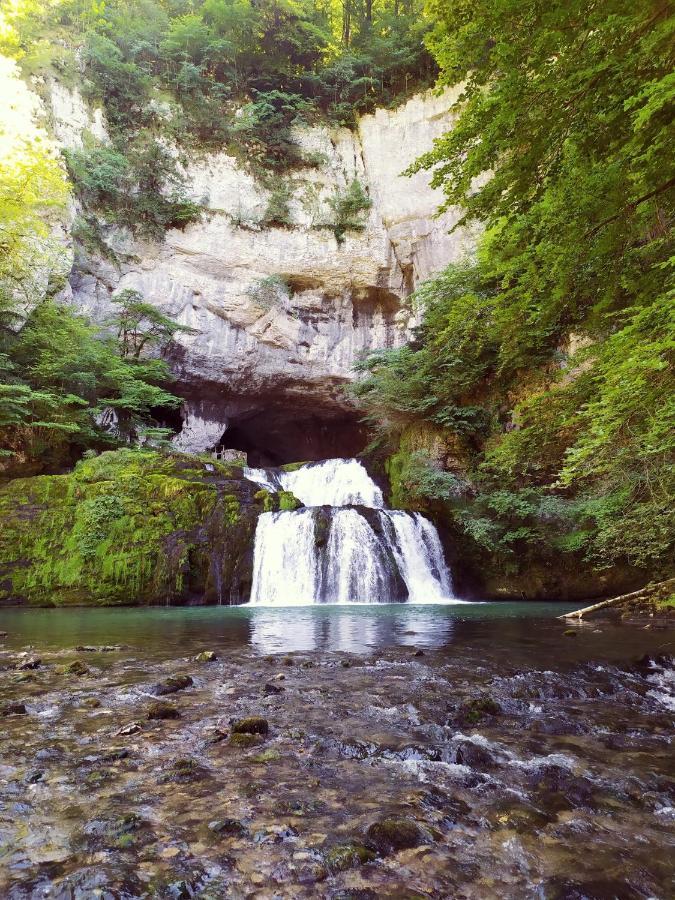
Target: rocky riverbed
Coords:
[[409, 770]]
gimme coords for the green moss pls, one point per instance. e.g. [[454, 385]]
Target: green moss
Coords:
[[127, 527], [266, 499], [293, 467], [288, 501]]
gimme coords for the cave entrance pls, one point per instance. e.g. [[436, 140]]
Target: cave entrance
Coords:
[[274, 437]]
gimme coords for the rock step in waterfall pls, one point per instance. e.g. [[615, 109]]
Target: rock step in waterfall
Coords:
[[343, 546]]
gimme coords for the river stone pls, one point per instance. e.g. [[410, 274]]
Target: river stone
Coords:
[[473, 755], [76, 668], [172, 685], [272, 688], [206, 656], [392, 834], [348, 856], [14, 709], [33, 662], [232, 827], [251, 725], [161, 710]]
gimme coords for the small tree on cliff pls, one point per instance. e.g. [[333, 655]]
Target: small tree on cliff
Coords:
[[139, 324]]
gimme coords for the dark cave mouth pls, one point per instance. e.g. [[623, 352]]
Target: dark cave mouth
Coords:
[[276, 437]]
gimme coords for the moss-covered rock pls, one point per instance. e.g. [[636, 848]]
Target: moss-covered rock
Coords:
[[348, 856], [392, 834], [251, 725], [129, 527], [161, 710]]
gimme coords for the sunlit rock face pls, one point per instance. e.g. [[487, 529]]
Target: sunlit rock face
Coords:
[[280, 314]]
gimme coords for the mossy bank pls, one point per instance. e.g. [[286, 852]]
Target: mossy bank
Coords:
[[130, 527]]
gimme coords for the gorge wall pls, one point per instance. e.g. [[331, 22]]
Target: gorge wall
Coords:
[[280, 314]]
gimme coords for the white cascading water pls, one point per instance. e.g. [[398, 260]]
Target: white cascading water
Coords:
[[343, 546]]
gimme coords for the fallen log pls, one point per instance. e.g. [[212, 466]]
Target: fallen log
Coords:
[[651, 589]]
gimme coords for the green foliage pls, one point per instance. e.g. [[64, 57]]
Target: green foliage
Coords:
[[558, 151], [267, 292], [348, 209], [280, 62], [60, 376], [125, 527], [277, 213], [140, 188], [141, 326]]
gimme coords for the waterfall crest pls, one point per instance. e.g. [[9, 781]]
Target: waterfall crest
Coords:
[[343, 546]]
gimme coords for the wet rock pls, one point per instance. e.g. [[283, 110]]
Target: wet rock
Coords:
[[348, 856], [392, 834], [307, 664], [206, 656], [172, 685], [33, 662], [34, 777], [601, 889], [559, 789], [182, 770], [270, 688], [266, 756], [115, 754], [14, 709], [345, 663], [418, 653], [161, 710], [76, 668], [244, 741], [131, 728], [251, 725], [355, 894], [473, 755], [570, 632], [91, 703], [476, 710], [3, 634], [289, 661], [227, 827]]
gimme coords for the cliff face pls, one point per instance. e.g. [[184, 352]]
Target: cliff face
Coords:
[[281, 313]]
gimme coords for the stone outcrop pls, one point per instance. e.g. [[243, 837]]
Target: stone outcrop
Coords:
[[280, 314], [130, 527]]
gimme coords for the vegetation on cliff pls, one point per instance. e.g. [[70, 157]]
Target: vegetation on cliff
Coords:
[[128, 527], [220, 73], [543, 370]]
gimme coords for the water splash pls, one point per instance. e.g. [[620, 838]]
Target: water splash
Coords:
[[344, 546]]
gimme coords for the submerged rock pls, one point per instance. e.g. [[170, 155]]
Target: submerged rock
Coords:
[[229, 827], [172, 685], [206, 656], [76, 668], [251, 725], [392, 834], [161, 710], [14, 709], [473, 755], [244, 740], [33, 662], [475, 710], [348, 856]]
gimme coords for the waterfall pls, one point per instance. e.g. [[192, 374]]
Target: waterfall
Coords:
[[343, 546]]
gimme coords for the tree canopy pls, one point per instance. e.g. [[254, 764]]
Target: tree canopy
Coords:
[[549, 355]]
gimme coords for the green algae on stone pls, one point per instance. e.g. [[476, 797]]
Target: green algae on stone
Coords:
[[251, 725], [161, 710], [348, 856], [128, 527]]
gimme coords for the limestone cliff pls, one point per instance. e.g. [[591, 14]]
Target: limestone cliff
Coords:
[[281, 313]]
